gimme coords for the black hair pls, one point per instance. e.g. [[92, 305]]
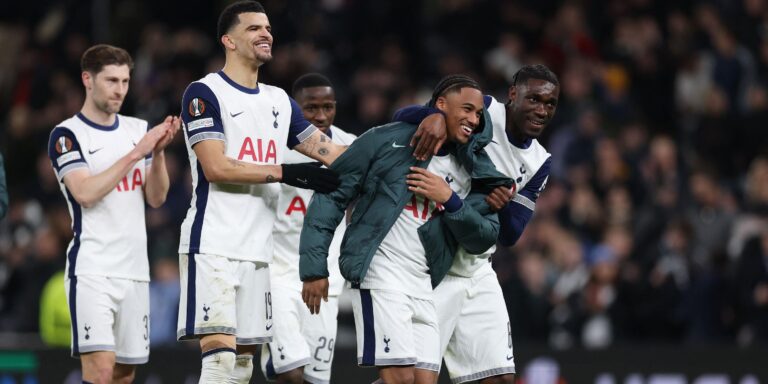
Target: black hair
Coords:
[[229, 16], [452, 83], [534, 71], [310, 80]]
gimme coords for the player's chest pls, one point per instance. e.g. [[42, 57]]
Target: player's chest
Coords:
[[102, 149], [513, 162], [419, 209], [256, 132]]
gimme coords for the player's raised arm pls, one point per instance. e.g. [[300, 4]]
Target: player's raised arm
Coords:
[[158, 183], [69, 163]]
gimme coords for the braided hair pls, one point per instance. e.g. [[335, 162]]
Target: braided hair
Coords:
[[452, 83]]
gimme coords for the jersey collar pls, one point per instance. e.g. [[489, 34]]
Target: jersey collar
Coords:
[[99, 126], [250, 91]]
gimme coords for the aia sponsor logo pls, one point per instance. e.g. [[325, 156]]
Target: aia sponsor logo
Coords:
[[258, 151], [130, 183]]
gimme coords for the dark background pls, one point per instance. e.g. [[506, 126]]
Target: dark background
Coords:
[[653, 230]]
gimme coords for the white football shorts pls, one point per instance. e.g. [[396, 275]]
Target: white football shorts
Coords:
[[300, 338], [223, 295], [395, 329], [109, 314], [475, 333]]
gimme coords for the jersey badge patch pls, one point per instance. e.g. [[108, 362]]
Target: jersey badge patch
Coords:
[[202, 123], [196, 107], [63, 145]]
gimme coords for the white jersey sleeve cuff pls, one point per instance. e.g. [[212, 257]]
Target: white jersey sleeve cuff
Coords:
[[194, 139], [525, 202], [69, 168], [306, 133]]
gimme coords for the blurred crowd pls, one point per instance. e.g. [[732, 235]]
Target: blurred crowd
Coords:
[[654, 223]]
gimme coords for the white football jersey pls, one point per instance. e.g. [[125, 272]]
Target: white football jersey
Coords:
[[110, 238], [257, 126], [291, 209], [400, 262], [527, 165]]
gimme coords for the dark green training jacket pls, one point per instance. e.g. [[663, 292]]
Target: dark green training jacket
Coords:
[[373, 170]]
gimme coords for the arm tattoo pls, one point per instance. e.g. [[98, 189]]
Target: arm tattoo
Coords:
[[236, 163], [271, 179], [323, 138], [322, 151]]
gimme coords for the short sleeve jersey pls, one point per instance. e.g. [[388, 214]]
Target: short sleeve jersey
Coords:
[[258, 126], [110, 238], [528, 166], [291, 209]]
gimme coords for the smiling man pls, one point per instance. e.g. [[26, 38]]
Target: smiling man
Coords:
[[108, 165], [237, 132], [408, 221], [302, 346], [475, 332]]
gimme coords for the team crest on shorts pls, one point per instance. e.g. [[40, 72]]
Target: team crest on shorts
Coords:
[[196, 107], [63, 145]]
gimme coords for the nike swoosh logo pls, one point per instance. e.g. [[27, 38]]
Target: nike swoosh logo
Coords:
[[318, 370], [235, 114], [395, 145], [94, 151], [304, 181], [269, 327], [510, 358]]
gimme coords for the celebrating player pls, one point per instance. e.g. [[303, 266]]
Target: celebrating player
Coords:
[[237, 132], [107, 165], [392, 253], [302, 346], [476, 336]]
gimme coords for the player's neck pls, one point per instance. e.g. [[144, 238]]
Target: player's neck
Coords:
[[96, 115], [242, 73]]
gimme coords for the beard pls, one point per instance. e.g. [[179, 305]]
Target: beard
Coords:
[[264, 57], [108, 107]]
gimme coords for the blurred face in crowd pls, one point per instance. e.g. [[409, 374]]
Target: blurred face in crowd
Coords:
[[318, 105], [462, 110], [251, 38], [107, 88], [532, 106]]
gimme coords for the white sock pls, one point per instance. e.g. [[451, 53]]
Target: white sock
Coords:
[[243, 370], [218, 366]]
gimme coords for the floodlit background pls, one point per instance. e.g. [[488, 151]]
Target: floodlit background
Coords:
[[652, 234]]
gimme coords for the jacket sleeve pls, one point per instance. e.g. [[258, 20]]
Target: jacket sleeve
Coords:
[[474, 226], [3, 190], [326, 211]]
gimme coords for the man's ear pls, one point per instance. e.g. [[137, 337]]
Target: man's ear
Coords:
[[87, 79], [441, 103], [228, 42], [512, 94]]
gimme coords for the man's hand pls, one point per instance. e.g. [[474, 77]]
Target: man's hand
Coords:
[[149, 140], [310, 176], [500, 197], [313, 291], [429, 137], [169, 126], [427, 184]]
